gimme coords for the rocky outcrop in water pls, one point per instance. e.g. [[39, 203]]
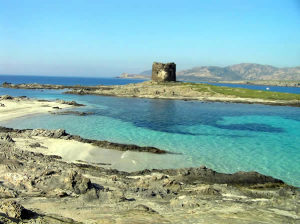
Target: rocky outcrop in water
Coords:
[[71, 112], [163, 72], [72, 103]]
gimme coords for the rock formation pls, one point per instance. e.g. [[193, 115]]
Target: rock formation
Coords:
[[38, 188], [163, 72]]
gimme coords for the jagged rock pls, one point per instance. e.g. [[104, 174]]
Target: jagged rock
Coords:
[[209, 190], [6, 97], [72, 103], [49, 133], [15, 210], [163, 72], [160, 196], [78, 183], [7, 193], [205, 175], [7, 138]]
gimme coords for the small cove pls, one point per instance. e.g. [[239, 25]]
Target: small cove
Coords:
[[226, 137], [223, 136]]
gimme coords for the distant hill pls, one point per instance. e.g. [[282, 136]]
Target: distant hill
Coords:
[[244, 71], [147, 73], [133, 76]]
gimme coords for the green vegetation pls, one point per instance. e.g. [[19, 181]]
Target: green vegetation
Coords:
[[241, 92]]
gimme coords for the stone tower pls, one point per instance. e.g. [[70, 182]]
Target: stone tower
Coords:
[[163, 72]]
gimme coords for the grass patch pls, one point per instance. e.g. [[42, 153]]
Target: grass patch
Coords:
[[241, 92]]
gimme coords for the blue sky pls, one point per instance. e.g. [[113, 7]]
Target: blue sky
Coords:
[[108, 37]]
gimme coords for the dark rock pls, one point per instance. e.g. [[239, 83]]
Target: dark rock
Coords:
[[163, 72], [15, 210], [72, 103], [35, 145], [122, 199], [8, 138], [6, 97], [209, 176], [48, 133], [78, 113], [58, 133]]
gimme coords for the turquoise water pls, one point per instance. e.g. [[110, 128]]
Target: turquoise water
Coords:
[[223, 136]]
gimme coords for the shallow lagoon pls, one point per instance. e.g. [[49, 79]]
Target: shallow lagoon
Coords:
[[223, 136]]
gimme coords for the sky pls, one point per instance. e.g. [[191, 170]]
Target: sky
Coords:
[[108, 37]]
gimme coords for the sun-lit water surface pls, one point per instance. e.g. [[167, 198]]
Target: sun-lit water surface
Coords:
[[223, 136]]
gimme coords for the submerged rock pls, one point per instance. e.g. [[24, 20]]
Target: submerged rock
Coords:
[[70, 112]]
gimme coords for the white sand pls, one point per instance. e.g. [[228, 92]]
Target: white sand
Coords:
[[74, 151], [18, 108]]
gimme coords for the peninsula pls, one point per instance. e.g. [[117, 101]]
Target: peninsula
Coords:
[[176, 91]]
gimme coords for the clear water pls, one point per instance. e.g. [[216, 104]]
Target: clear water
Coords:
[[223, 136]]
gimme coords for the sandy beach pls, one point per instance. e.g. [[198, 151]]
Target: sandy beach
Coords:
[[15, 107], [79, 152]]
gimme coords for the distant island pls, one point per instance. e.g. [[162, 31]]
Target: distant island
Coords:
[[238, 72]]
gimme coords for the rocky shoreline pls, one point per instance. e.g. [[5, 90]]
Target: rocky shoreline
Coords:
[[62, 134], [38, 188], [172, 91]]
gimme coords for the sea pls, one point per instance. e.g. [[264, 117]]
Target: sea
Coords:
[[226, 137]]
